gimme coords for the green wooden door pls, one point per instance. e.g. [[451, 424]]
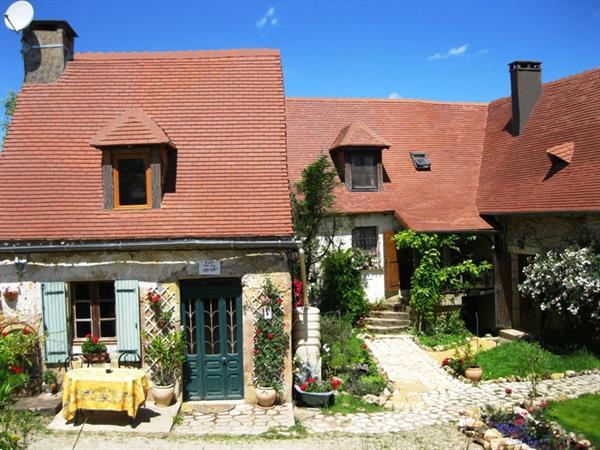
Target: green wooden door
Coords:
[[212, 320]]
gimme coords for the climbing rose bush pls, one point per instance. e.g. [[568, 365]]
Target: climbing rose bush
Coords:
[[567, 282]]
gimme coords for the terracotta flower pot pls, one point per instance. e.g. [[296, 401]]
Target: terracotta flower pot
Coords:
[[11, 296], [474, 373], [163, 395], [266, 396]]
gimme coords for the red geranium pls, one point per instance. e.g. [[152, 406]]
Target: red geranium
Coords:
[[304, 386], [257, 331], [280, 301], [26, 331], [365, 346], [15, 369], [297, 291], [4, 334], [519, 421], [95, 339], [335, 383], [446, 361], [87, 336], [270, 336], [311, 380]]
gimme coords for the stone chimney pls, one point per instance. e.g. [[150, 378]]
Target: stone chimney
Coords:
[[525, 87], [47, 47]]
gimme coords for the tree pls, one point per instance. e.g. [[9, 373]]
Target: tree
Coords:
[[431, 278], [313, 205], [10, 103]]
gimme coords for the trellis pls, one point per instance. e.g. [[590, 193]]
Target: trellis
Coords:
[[153, 326]]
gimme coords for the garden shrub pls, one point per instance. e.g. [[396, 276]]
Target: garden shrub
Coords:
[[567, 282], [342, 289], [371, 384], [431, 278], [14, 426], [334, 329]]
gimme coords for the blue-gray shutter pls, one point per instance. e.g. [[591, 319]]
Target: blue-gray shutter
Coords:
[[54, 313], [127, 300]]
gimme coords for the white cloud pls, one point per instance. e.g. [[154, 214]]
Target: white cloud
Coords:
[[483, 51], [454, 51], [394, 95], [268, 19]]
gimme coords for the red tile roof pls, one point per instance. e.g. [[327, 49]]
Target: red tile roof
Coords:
[[517, 175], [132, 127], [563, 152], [357, 134], [451, 134], [224, 112]]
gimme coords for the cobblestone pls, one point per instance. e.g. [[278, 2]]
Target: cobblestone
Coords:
[[425, 394], [242, 419]]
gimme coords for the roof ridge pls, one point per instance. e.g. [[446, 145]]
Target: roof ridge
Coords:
[[175, 54], [386, 100]]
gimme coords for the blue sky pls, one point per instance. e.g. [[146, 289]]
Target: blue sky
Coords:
[[443, 50]]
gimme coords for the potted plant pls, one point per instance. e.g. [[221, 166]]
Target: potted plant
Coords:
[[11, 294], [49, 384], [166, 354], [270, 345], [310, 391], [93, 350]]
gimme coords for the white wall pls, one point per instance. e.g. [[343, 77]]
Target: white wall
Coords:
[[373, 279]]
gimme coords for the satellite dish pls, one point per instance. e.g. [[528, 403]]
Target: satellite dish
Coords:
[[18, 16]]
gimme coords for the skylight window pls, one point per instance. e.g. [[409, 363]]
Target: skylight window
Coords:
[[420, 160]]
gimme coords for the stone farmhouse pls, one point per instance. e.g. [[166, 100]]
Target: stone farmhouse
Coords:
[[170, 172]]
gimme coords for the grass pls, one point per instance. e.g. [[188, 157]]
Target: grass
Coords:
[[443, 339], [351, 404], [580, 415], [504, 361]]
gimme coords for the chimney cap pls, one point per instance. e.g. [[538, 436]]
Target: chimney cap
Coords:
[[52, 25], [525, 65]]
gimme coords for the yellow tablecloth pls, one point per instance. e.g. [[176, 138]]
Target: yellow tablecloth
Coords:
[[120, 390]]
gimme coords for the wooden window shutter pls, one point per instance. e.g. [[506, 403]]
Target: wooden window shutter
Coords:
[[54, 315], [127, 301], [391, 265]]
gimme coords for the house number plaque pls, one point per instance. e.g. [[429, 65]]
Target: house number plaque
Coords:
[[209, 267]]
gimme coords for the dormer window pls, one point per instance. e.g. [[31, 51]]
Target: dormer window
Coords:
[[364, 169], [356, 153], [134, 161], [132, 179]]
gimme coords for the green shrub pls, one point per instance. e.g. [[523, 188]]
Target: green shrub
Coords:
[[334, 329], [342, 289], [371, 384]]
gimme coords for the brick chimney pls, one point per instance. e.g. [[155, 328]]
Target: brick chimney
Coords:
[[47, 47], [525, 87]]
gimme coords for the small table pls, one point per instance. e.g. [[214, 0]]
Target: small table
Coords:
[[95, 389]]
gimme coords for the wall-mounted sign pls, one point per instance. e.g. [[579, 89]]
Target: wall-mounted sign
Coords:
[[267, 312], [209, 267]]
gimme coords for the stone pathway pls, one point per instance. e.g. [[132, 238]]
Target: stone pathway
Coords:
[[235, 419], [426, 395]]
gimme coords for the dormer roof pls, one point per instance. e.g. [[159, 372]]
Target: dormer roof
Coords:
[[132, 127], [564, 152], [357, 134]]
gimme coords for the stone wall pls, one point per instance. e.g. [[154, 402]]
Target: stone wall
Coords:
[[152, 268], [539, 233]]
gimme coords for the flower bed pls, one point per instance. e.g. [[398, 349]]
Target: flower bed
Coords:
[[519, 428]]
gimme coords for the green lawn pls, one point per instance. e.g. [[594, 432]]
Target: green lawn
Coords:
[[580, 415], [351, 404], [504, 360]]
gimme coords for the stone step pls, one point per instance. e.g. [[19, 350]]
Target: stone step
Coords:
[[387, 322], [41, 404], [514, 335], [382, 329], [387, 314]]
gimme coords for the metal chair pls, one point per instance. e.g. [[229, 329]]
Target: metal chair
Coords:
[[68, 362], [129, 358]]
